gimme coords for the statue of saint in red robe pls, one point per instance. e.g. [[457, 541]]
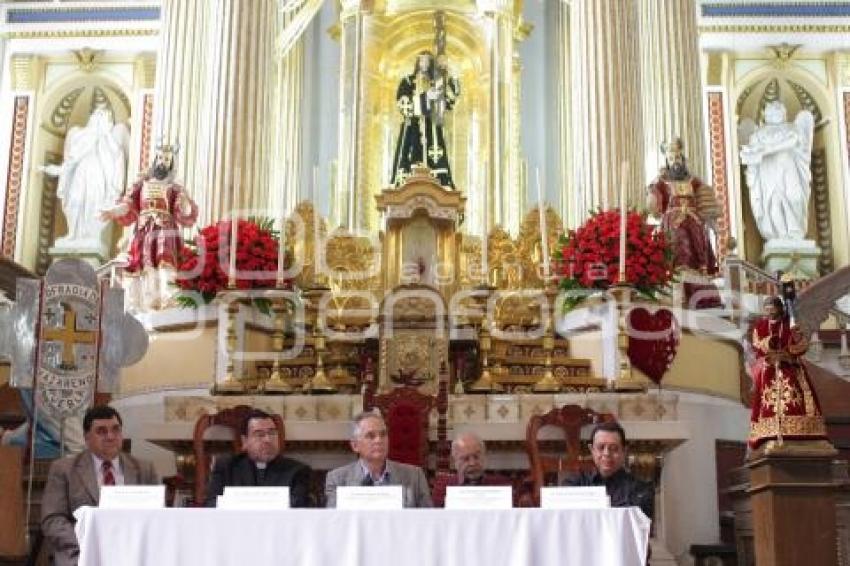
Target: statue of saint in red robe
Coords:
[[785, 407], [687, 208]]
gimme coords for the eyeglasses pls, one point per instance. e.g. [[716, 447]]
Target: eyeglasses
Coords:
[[609, 448], [261, 434]]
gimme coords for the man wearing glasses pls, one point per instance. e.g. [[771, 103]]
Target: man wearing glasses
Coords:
[[75, 481], [608, 449], [369, 440], [260, 463]]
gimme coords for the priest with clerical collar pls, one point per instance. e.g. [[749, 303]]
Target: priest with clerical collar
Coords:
[[370, 442], [260, 463], [608, 449]]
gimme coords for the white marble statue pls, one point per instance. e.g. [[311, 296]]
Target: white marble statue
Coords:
[[778, 157], [91, 177]]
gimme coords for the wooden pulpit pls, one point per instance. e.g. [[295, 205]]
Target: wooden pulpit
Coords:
[[12, 530]]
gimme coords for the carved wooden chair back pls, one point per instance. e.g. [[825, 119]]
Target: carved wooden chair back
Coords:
[[549, 466]]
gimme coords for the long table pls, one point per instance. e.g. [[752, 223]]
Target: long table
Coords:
[[319, 537]]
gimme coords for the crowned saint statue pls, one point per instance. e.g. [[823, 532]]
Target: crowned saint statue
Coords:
[[687, 208], [157, 207]]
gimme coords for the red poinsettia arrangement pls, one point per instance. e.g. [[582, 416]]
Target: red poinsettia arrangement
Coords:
[[589, 257], [204, 267]]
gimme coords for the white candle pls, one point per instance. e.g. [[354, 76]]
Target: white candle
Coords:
[[623, 180], [234, 224], [281, 241], [544, 240], [486, 228], [315, 183]]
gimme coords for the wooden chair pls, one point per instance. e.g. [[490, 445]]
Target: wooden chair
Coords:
[[407, 413], [228, 418], [570, 419]]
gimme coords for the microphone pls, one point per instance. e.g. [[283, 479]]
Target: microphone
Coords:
[[367, 481]]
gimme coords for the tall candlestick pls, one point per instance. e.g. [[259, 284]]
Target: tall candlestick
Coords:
[[234, 225], [486, 228], [624, 176], [544, 240]]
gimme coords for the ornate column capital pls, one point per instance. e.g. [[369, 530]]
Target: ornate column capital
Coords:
[[843, 60], [146, 70], [24, 71]]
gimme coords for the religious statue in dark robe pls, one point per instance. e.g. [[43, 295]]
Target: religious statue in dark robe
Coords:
[[785, 406], [423, 98], [687, 208]]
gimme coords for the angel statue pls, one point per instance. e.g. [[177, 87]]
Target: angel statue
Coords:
[[91, 176], [778, 157]]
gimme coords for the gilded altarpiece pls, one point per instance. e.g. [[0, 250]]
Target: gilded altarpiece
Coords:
[[379, 43]]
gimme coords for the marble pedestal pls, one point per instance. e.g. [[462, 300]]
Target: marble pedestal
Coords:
[[797, 257], [93, 252]]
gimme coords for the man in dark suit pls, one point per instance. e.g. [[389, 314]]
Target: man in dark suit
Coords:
[[260, 463], [469, 457], [75, 481], [369, 440], [608, 449]]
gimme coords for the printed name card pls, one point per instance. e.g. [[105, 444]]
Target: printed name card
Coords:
[[132, 497], [479, 497], [369, 497], [590, 497], [254, 498]]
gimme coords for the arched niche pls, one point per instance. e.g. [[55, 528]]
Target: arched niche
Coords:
[[797, 89], [392, 43]]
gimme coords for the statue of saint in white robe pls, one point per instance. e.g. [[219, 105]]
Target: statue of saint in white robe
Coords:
[[778, 159], [91, 177]]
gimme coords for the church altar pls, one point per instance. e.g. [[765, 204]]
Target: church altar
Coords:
[[318, 426]]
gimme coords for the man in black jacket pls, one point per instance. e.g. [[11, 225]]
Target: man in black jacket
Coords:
[[608, 449], [260, 464]]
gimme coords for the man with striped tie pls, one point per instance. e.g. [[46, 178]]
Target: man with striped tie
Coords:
[[75, 480]]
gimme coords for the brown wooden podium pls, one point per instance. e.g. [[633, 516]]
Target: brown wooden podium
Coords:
[[793, 510], [12, 536]]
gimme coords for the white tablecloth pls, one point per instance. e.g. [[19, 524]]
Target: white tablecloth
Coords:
[[318, 537]]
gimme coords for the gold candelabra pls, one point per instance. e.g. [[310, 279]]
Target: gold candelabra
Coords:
[[231, 384], [275, 383]]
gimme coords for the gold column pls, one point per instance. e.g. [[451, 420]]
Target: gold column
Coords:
[[214, 97], [670, 81], [606, 116]]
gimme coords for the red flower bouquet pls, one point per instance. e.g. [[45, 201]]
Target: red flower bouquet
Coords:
[[205, 267], [589, 257]]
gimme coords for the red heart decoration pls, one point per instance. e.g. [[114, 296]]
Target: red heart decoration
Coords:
[[653, 341]]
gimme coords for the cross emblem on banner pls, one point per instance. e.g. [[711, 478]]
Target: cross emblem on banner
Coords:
[[68, 335], [435, 153]]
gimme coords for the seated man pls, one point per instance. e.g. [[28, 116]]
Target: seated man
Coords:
[[260, 464], [469, 457], [369, 441], [608, 449], [75, 481]]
